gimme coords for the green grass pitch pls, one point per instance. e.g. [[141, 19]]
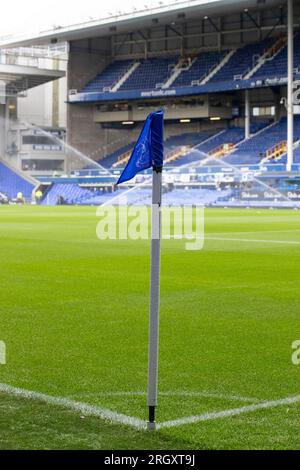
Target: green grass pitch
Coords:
[[74, 317]]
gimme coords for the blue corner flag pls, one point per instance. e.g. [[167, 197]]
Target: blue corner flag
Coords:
[[149, 149]]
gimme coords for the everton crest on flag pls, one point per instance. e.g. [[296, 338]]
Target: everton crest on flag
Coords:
[[148, 151]]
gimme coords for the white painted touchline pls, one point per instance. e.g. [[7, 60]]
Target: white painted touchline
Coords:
[[79, 407], [229, 413], [137, 423], [252, 240]]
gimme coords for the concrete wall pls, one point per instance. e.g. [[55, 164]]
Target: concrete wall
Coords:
[[33, 108], [45, 105], [86, 59], [200, 109], [2, 129]]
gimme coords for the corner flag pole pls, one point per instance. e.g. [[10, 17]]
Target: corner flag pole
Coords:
[[154, 296], [148, 152]]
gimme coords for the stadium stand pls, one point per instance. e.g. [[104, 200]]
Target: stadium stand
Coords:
[[248, 152], [68, 193], [212, 143], [253, 151], [154, 73], [150, 74], [197, 145], [189, 139], [188, 197], [219, 197], [297, 155], [242, 61], [183, 149], [76, 195], [233, 135], [111, 159], [179, 149], [11, 183], [199, 69], [277, 66], [201, 83], [177, 197], [109, 77]]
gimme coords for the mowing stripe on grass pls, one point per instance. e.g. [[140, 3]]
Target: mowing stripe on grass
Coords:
[[252, 240], [185, 393], [204, 394], [253, 232], [84, 408], [229, 413]]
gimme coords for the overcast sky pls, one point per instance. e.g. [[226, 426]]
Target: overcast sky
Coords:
[[29, 16]]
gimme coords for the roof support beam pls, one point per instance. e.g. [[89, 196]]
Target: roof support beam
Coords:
[[213, 24], [279, 22], [251, 18], [271, 29]]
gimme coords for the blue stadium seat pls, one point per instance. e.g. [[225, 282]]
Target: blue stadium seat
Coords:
[[187, 139], [297, 155], [211, 141], [154, 72], [242, 61], [200, 68], [12, 183], [150, 73], [107, 162], [108, 78], [253, 150], [277, 67], [74, 194]]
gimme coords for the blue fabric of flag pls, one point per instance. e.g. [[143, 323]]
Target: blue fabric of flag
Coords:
[[149, 150]]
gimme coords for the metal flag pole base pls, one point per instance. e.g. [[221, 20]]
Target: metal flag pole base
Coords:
[[151, 424]]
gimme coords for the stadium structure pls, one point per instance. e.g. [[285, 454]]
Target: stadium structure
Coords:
[[226, 73], [30, 82]]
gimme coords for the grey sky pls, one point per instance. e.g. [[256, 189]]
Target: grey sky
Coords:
[[19, 16]]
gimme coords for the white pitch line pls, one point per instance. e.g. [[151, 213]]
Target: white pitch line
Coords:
[[84, 408], [137, 423], [229, 413], [252, 240]]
